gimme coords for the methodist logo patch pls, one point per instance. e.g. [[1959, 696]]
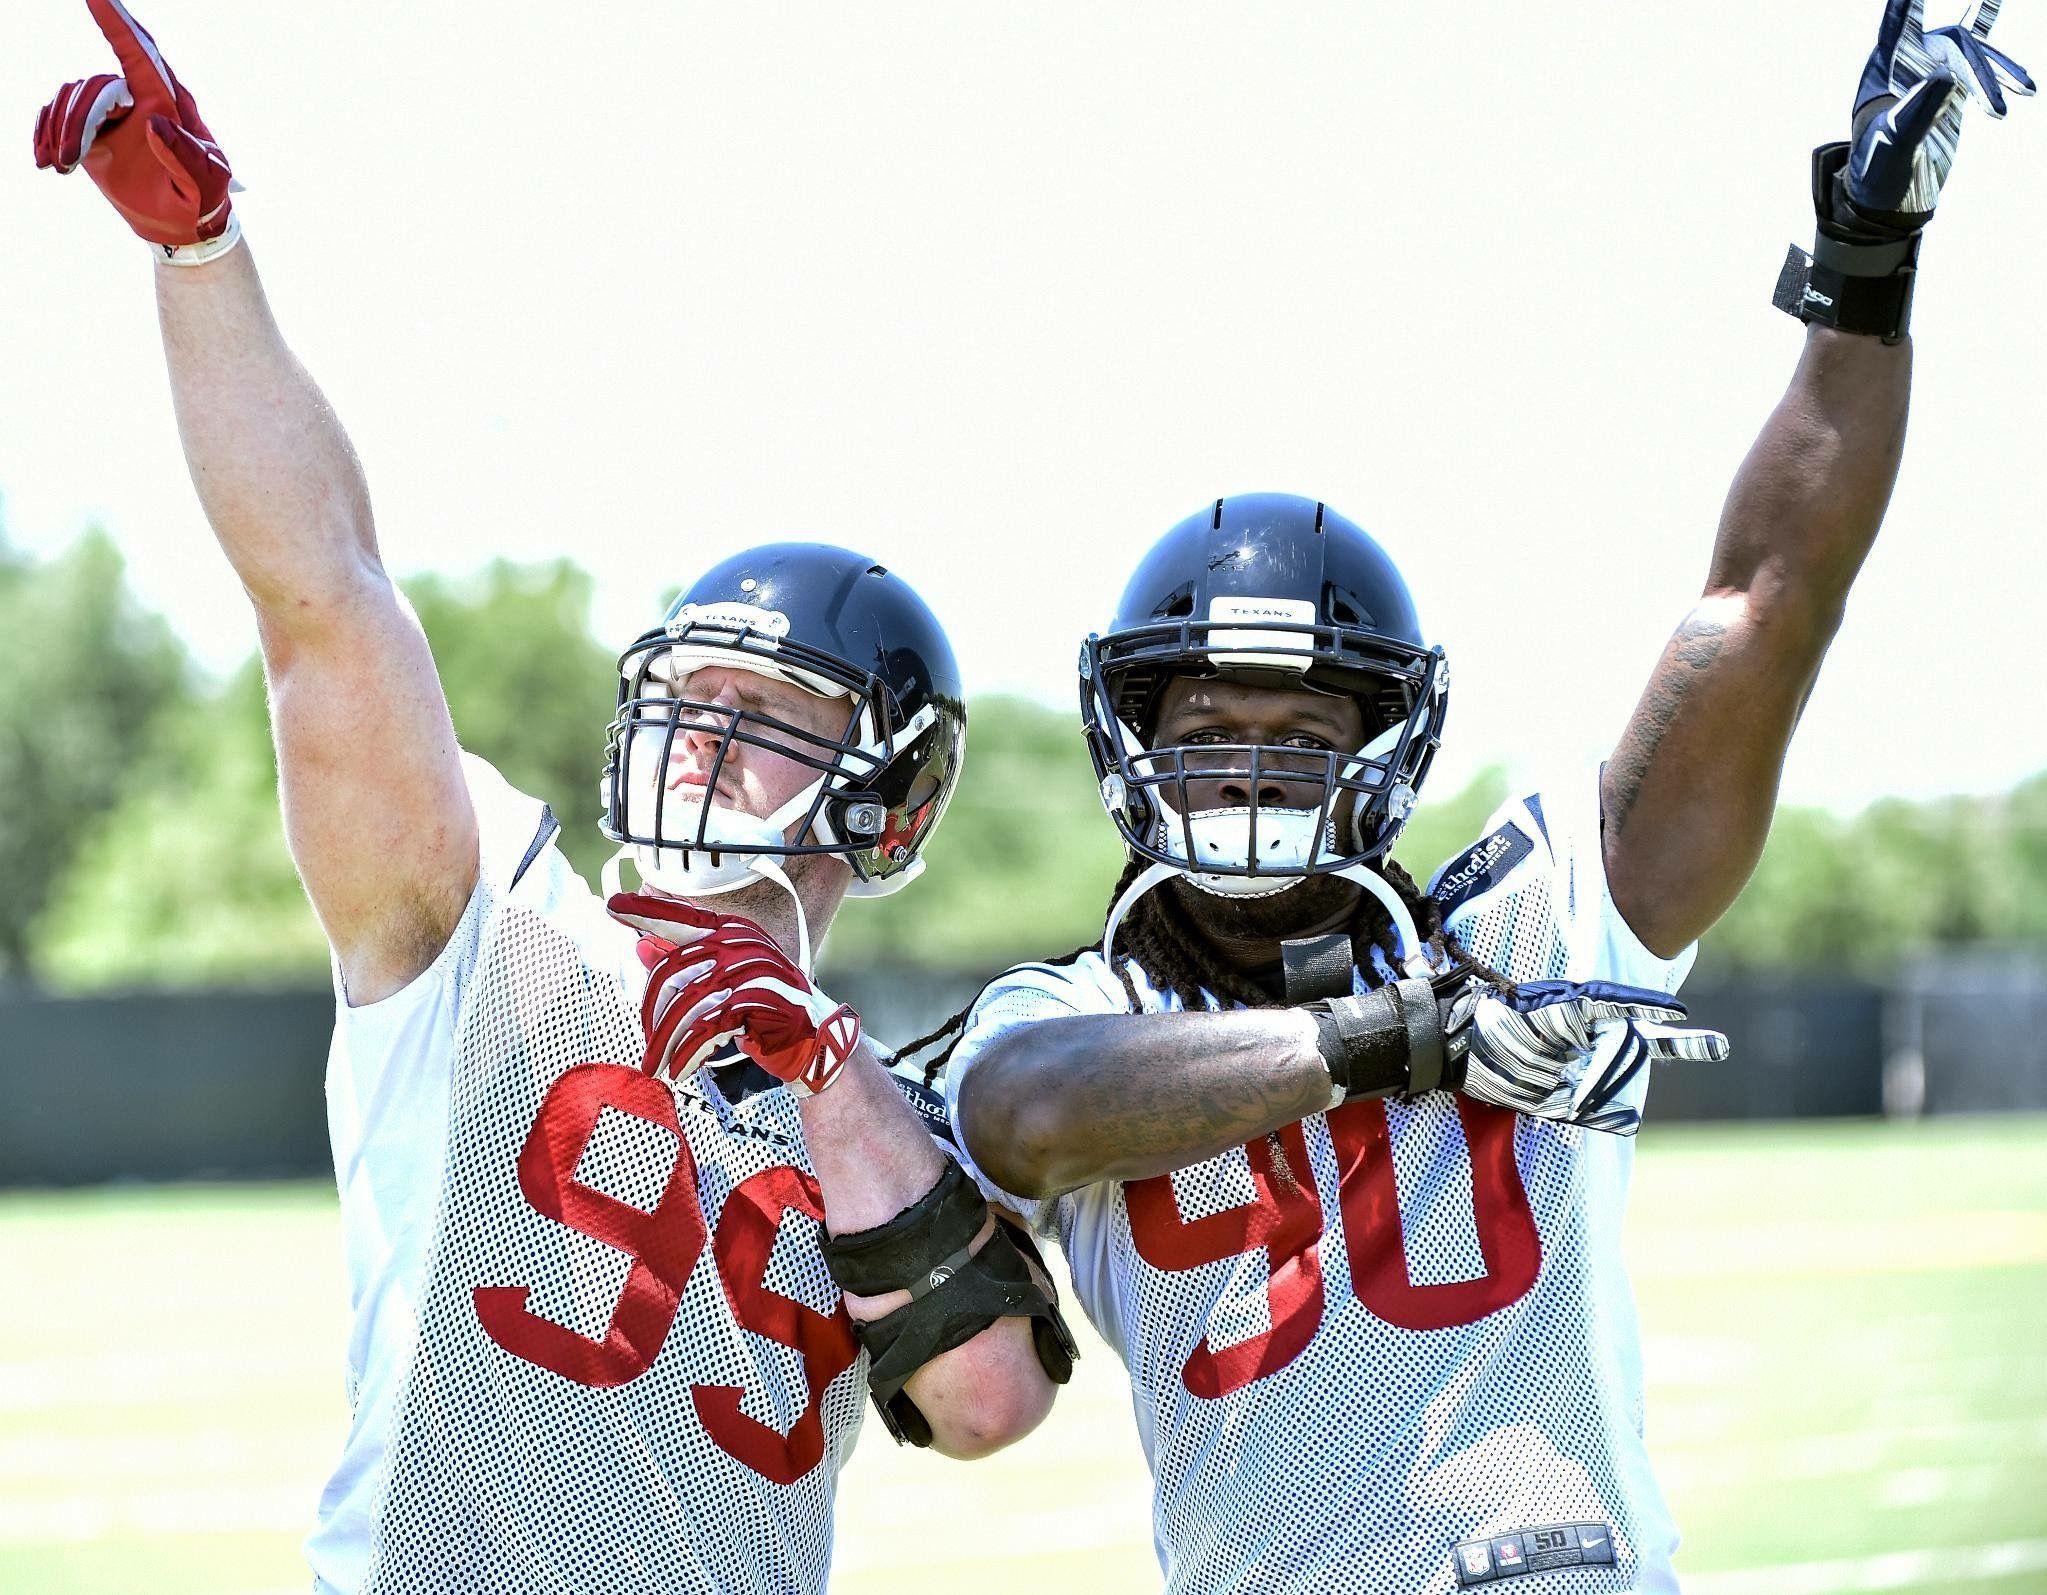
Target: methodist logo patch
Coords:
[[1484, 867], [1538, 1550]]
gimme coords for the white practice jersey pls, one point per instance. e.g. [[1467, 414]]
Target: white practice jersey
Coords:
[[595, 1348], [1391, 1348]]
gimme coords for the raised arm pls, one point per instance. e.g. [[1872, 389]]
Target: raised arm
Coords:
[[1689, 792], [375, 807]]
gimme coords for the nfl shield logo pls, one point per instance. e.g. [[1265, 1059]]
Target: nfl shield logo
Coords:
[[1477, 1559]]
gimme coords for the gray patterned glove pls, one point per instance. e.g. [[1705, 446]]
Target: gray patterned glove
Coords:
[[1908, 114], [1576, 1054]]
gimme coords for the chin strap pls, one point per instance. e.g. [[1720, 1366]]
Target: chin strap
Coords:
[[770, 870], [1123, 904], [1414, 957], [760, 866]]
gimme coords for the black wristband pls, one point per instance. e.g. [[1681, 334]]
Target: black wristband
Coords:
[[1861, 272], [1388, 1042]]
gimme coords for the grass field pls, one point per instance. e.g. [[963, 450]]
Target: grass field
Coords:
[[1846, 1339]]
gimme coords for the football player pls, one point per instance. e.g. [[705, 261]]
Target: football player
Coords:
[[632, 1212], [1339, 1165]]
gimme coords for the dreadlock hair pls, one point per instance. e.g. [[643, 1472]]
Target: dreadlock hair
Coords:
[[1160, 937]]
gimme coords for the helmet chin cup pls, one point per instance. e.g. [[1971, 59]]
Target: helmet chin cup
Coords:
[[689, 870], [686, 885], [1287, 841], [706, 868]]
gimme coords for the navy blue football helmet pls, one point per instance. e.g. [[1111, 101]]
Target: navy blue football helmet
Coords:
[[1279, 591], [838, 625]]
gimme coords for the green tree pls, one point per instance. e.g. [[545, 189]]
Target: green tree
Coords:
[[529, 686], [1900, 877], [2026, 860], [188, 881], [89, 674], [141, 840]]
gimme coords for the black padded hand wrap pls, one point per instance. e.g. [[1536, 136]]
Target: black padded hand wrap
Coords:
[[903, 1253], [1388, 1042], [1861, 272], [954, 1295]]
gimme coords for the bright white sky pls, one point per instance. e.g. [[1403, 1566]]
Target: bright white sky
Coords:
[[997, 293]]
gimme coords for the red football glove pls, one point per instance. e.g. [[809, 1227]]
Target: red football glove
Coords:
[[717, 977], [140, 138]]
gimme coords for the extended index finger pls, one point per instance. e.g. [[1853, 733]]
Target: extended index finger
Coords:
[[142, 64], [1901, 25]]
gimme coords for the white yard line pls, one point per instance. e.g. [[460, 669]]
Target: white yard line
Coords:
[[1854, 1451], [1895, 1570], [81, 1519], [1673, 1248]]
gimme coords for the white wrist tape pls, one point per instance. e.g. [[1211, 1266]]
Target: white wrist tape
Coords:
[[207, 249]]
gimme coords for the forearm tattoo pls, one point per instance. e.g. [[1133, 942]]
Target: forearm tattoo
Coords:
[[1237, 1100]]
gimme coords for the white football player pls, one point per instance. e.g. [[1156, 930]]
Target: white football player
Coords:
[[1323, 1150], [601, 1342]]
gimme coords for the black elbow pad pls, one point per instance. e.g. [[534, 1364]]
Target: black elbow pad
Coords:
[[954, 1294]]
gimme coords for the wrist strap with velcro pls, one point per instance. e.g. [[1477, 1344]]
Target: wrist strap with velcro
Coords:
[[1387, 1042], [955, 1293], [1858, 278]]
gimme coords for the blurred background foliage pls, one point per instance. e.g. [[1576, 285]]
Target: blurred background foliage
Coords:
[[142, 844], [90, 679]]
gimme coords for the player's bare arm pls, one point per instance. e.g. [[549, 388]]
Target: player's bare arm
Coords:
[[874, 1160], [1066, 1102], [375, 807], [1062, 1103], [1690, 790]]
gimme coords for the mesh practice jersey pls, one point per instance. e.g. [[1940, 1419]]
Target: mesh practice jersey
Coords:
[[1391, 1348], [594, 1346]]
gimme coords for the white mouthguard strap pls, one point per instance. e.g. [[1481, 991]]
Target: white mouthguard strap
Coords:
[[1414, 958], [1123, 905]]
